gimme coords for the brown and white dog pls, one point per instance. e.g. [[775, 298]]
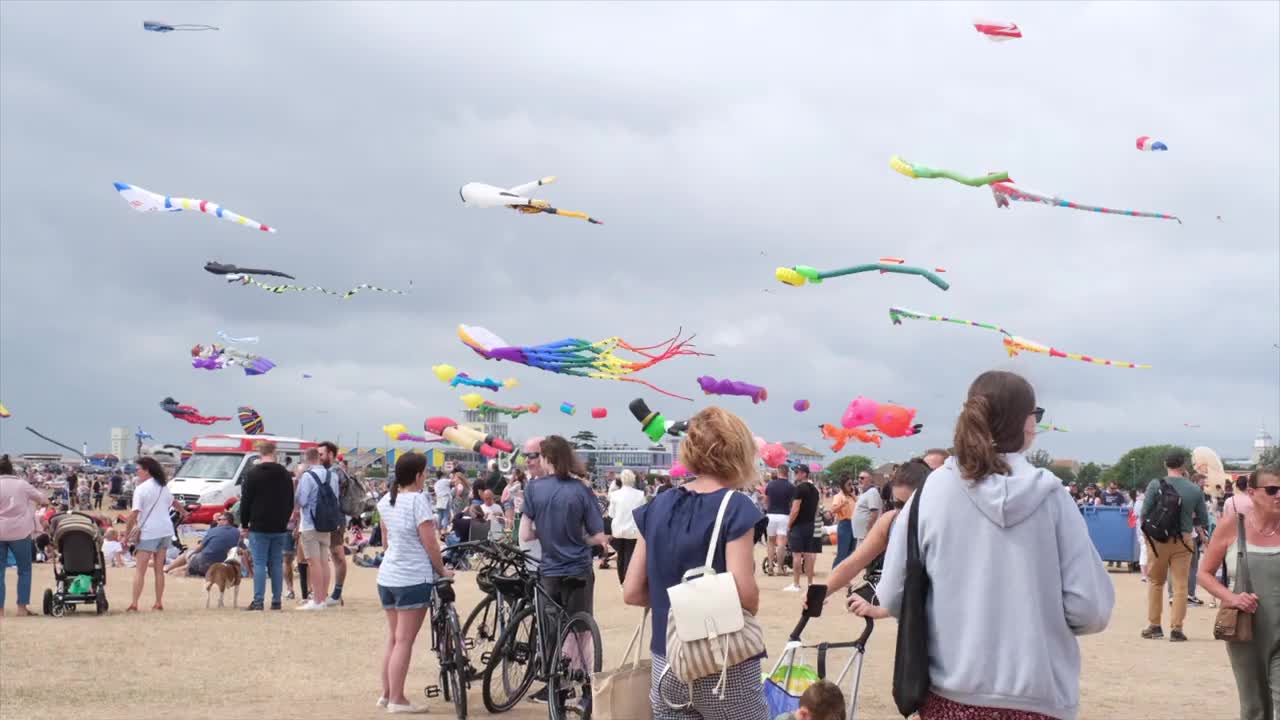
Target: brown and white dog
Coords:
[[224, 574]]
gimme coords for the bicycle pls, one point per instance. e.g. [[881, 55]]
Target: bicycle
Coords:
[[451, 653], [541, 629], [493, 613]]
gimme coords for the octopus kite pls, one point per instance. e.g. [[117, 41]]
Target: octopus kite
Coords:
[[712, 386], [450, 374], [840, 436], [250, 420], [1013, 344], [467, 438], [475, 401], [144, 200], [188, 413], [913, 170], [487, 196], [582, 358], [1003, 192], [217, 357], [797, 275]]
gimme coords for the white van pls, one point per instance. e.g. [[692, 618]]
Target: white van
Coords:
[[214, 472]]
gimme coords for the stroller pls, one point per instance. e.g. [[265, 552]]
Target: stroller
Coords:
[[784, 685], [80, 573]]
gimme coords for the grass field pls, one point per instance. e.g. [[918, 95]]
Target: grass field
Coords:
[[189, 662]]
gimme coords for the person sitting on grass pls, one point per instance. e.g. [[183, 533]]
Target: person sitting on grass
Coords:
[[212, 548]]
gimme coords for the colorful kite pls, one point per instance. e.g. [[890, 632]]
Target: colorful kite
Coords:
[[840, 436], [475, 401], [599, 413], [281, 289], [1006, 191], [912, 170], [159, 27], [450, 374], [141, 435], [800, 405], [653, 424], [712, 386], [568, 408], [467, 438], [572, 356], [144, 200], [188, 413], [218, 268], [4, 411], [1049, 427], [997, 30], [1013, 344], [797, 275], [890, 419], [1147, 144], [487, 196], [397, 432], [216, 357], [250, 420]]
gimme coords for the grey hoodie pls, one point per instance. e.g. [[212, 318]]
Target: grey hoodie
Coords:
[[1015, 578]]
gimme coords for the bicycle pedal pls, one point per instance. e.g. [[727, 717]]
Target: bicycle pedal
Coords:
[[486, 658], [432, 691], [469, 643]]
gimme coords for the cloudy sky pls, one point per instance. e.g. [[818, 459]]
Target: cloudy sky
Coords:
[[716, 141]]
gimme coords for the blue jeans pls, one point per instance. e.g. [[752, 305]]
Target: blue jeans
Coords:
[[844, 541], [268, 556], [22, 554]]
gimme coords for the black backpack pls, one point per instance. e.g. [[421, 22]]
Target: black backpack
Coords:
[[327, 515], [1164, 521]]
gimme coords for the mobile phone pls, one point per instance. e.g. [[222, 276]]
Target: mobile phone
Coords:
[[813, 602]]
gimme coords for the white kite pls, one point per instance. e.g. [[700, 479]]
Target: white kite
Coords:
[[487, 196], [144, 200]]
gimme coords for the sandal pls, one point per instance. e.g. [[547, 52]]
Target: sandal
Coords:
[[131, 608], [158, 606]]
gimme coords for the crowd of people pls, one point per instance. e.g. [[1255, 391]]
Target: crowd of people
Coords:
[[983, 521]]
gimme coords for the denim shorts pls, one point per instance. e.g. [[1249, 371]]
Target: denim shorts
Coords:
[[410, 597], [290, 544], [154, 545]]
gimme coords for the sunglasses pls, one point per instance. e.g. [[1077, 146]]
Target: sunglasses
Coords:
[[532, 456], [1270, 489], [1039, 413]]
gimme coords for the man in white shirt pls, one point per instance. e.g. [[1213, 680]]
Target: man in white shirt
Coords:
[[868, 508], [444, 496]]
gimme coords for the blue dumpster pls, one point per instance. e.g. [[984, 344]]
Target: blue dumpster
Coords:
[[1110, 532]]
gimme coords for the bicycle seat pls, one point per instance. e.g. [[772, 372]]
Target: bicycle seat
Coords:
[[443, 581], [509, 585]]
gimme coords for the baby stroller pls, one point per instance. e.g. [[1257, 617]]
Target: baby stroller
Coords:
[[80, 573], [788, 681]]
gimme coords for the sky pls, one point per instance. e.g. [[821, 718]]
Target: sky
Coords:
[[716, 141]]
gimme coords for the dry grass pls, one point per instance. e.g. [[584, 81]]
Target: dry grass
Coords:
[[188, 662]]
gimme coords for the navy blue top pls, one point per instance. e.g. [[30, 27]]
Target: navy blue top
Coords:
[[779, 492], [564, 512], [218, 541], [676, 527]]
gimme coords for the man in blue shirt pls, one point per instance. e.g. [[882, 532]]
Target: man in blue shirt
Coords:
[[778, 496], [212, 548]]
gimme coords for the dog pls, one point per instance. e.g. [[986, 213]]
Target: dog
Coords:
[[224, 574]]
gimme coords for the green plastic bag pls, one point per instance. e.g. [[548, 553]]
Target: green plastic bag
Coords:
[[81, 585]]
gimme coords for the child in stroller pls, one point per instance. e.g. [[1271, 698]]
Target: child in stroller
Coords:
[[80, 574], [788, 683]]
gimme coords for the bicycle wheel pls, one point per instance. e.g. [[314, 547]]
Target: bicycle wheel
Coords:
[[513, 665], [578, 657], [483, 626], [453, 662]]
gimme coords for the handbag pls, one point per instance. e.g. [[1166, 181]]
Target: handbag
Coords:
[[911, 681], [135, 535], [707, 630], [624, 693], [1233, 624]]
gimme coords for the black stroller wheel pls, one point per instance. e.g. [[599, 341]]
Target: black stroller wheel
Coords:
[[101, 603], [47, 605], [59, 609]]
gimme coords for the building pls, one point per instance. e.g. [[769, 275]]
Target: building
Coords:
[[1262, 443], [801, 453], [655, 459], [122, 443]]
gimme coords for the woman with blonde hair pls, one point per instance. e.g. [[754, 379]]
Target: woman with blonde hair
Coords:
[[623, 502], [720, 454]]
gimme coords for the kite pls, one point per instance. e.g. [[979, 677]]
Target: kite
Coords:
[[46, 438], [1147, 144], [143, 435], [450, 374], [250, 420], [307, 376], [797, 275], [712, 386], [773, 454], [397, 432], [572, 356], [890, 419], [216, 357], [599, 413], [654, 424], [800, 405], [144, 200], [1049, 427], [475, 401], [4, 411], [1189, 426], [840, 436], [568, 408], [218, 268], [912, 170], [188, 413], [1003, 192], [487, 196], [467, 438], [239, 340], [1013, 344], [159, 27], [997, 30], [281, 289]]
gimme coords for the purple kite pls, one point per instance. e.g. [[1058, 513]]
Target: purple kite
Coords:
[[712, 386]]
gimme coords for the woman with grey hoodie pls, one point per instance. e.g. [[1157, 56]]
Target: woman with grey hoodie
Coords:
[[1014, 575]]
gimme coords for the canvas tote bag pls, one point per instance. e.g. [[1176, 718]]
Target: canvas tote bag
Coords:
[[623, 694]]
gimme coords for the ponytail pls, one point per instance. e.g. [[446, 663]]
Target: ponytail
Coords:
[[394, 487], [991, 423], [975, 447]]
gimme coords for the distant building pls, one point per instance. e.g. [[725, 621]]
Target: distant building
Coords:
[[1072, 465], [799, 452], [655, 459], [1262, 443], [123, 443]]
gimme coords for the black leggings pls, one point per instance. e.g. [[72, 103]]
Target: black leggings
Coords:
[[625, 548]]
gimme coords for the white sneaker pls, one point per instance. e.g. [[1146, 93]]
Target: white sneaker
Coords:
[[407, 709], [309, 605], [332, 602], [791, 588], [382, 702]]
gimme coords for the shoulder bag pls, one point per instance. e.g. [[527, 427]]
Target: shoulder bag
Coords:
[[624, 693], [135, 535], [1233, 624], [911, 681]]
